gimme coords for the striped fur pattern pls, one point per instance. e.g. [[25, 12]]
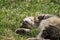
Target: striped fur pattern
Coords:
[[47, 25]]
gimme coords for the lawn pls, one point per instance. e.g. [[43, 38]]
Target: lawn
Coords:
[[12, 13]]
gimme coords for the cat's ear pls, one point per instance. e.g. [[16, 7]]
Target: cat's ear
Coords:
[[36, 19], [40, 17]]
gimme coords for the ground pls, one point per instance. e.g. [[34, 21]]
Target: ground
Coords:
[[12, 12]]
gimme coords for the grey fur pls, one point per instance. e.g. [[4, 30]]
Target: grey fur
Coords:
[[44, 23]]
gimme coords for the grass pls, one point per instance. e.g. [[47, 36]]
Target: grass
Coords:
[[12, 12]]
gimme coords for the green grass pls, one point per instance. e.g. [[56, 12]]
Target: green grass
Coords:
[[12, 13]]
